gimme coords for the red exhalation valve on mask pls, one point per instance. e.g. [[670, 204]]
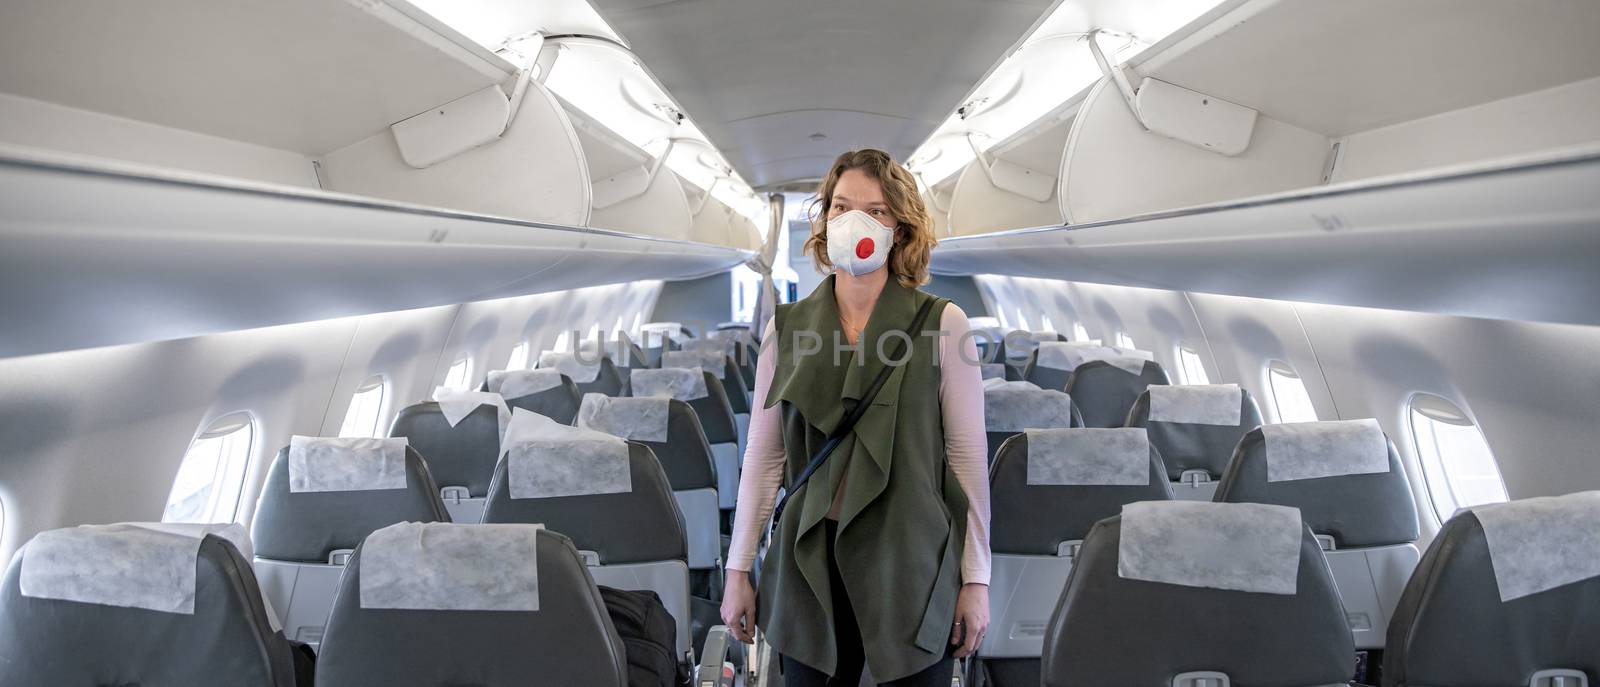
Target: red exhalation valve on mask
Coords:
[[864, 248]]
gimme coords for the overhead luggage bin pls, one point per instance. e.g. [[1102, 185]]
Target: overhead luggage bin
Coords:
[[330, 255], [1420, 93]]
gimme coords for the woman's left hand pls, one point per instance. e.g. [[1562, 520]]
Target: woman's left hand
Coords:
[[972, 616]]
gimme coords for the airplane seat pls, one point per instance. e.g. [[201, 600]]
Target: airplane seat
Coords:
[[1017, 347], [1010, 408], [626, 357], [139, 604], [706, 394], [1199, 594], [1346, 479], [671, 429], [620, 514], [735, 385], [592, 372], [1048, 487], [461, 454], [415, 608], [1105, 390], [1506, 594], [1196, 428], [546, 392], [322, 496]]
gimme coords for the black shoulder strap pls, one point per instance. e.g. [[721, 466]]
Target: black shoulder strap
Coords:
[[849, 421]]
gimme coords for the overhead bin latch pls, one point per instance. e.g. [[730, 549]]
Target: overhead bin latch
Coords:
[[1013, 178], [478, 118], [1204, 121]]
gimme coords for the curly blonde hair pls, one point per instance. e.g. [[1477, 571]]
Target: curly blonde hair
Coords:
[[913, 236]]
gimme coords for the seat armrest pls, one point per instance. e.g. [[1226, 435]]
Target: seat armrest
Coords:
[[715, 670]]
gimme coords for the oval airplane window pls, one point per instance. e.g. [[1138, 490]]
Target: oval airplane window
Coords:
[[1125, 341], [211, 476], [1044, 323], [459, 375], [1190, 368], [1022, 321], [1079, 332], [1290, 400], [366, 409], [519, 357], [1457, 465]]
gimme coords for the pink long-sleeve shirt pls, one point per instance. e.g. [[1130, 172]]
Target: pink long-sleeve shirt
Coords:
[[965, 443]]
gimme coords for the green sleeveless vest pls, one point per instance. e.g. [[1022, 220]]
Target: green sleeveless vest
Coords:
[[902, 522]]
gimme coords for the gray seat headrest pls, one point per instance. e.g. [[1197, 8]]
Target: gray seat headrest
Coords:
[[1190, 446], [459, 456], [558, 403], [686, 454], [569, 641], [715, 411], [46, 641], [633, 527], [304, 527], [1452, 628], [1104, 393], [609, 381], [1108, 630], [1036, 519], [1357, 510]]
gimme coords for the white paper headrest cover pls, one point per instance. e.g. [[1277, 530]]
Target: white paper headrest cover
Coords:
[[1308, 450], [519, 383], [444, 566], [545, 459], [581, 370], [1209, 404], [346, 464], [682, 383], [1088, 457], [1247, 547], [132, 565], [1542, 543], [1015, 410], [639, 419]]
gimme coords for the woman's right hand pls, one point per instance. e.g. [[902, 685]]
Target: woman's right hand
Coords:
[[739, 606]]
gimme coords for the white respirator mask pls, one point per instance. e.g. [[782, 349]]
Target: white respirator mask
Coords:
[[857, 243]]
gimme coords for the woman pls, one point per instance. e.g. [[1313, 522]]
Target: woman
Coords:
[[883, 556]]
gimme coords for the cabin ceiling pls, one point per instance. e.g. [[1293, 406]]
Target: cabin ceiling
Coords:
[[762, 77]]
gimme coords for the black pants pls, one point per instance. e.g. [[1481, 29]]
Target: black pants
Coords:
[[849, 649]]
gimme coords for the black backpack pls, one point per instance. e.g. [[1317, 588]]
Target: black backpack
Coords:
[[649, 636]]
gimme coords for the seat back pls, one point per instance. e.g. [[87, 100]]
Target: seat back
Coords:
[[631, 534], [592, 371], [1010, 408], [1346, 479], [415, 608], [1051, 362], [671, 429], [546, 392], [80, 607], [320, 499], [706, 394], [1048, 487], [460, 454], [1018, 346], [1105, 390], [626, 356], [1196, 428], [1507, 594], [1171, 591]]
